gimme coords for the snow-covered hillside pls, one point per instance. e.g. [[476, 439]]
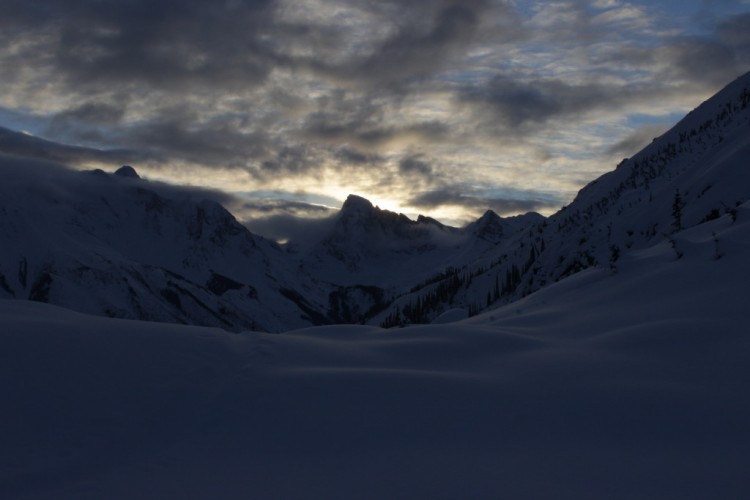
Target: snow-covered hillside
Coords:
[[120, 246], [116, 245], [629, 384], [695, 173], [372, 256]]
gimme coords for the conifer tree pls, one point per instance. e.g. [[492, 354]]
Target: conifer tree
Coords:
[[677, 211]]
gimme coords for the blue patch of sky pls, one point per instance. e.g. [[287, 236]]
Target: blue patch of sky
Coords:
[[640, 120], [20, 120], [508, 193], [695, 17]]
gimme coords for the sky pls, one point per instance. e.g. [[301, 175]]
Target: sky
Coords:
[[439, 107]]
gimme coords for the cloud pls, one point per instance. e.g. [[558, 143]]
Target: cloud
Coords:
[[375, 137], [350, 156], [215, 142], [636, 140], [363, 120], [170, 44], [412, 166], [53, 177], [394, 100], [714, 59], [285, 220], [473, 202], [428, 35], [25, 145], [286, 228], [192, 44], [516, 104]]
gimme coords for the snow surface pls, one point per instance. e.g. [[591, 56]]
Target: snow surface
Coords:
[[626, 384], [624, 376]]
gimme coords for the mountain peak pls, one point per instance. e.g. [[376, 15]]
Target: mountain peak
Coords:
[[357, 203], [488, 216], [489, 227], [127, 171]]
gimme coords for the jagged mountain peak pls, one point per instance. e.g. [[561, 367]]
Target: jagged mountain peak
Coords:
[[355, 203], [359, 215], [489, 217], [423, 219], [493, 228], [488, 227]]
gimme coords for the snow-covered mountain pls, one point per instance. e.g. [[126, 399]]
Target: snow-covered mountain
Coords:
[[624, 385], [372, 256], [695, 173], [379, 247], [117, 245]]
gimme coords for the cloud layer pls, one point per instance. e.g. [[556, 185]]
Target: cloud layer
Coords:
[[445, 106]]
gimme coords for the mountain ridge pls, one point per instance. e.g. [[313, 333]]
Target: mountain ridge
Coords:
[[123, 246], [695, 172]]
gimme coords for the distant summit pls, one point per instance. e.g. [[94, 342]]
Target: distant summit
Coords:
[[127, 171]]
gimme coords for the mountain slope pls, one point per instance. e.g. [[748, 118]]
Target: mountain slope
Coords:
[[372, 256], [694, 173], [119, 246]]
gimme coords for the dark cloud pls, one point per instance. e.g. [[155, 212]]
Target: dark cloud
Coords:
[[216, 142], [514, 104], [414, 166], [295, 159], [149, 77], [369, 133], [285, 228], [24, 145], [524, 202], [709, 60], [297, 91], [284, 220], [274, 206], [90, 112], [429, 34], [714, 59], [21, 148], [179, 44], [636, 141], [350, 156], [168, 43], [57, 178], [89, 122]]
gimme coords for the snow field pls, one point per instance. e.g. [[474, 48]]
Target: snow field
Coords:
[[605, 385]]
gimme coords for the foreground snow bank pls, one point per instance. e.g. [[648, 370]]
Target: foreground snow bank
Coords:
[[630, 384]]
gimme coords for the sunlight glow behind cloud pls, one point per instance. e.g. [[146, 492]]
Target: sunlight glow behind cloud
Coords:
[[443, 107]]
